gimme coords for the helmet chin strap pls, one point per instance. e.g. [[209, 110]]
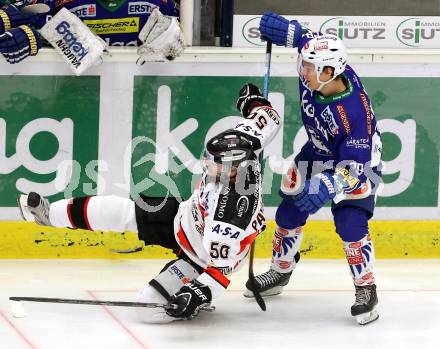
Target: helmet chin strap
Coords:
[[323, 83]]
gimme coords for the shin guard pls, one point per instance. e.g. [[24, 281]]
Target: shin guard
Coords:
[[286, 244], [360, 257]]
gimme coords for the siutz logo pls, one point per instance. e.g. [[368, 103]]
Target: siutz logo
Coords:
[[353, 29], [88, 10], [251, 33], [417, 32]]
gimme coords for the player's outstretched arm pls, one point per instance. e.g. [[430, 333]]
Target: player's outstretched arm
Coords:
[[261, 122]]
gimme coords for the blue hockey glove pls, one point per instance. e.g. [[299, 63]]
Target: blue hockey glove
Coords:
[[18, 43], [11, 17], [279, 30], [189, 300], [317, 191]]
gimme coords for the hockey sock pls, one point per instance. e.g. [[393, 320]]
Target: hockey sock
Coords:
[[286, 244], [360, 257], [94, 213]]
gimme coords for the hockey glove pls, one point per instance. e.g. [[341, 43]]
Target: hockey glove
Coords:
[[317, 191], [18, 43], [189, 300], [162, 39], [11, 17], [249, 97], [279, 30], [74, 41]]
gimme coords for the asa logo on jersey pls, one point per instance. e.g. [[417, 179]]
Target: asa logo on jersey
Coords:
[[84, 11], [417, 32], [140, 7], [354, 29]]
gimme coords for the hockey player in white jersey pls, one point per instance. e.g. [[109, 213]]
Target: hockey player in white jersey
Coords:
[[210, 233]]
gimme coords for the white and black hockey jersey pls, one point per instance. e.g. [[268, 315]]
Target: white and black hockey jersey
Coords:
[[217, 224]]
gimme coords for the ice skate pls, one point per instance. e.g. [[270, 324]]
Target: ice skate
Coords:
[[269, 283], [34, 208], [364, 308]]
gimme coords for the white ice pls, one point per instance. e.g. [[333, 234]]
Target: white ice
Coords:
[[313, 311]]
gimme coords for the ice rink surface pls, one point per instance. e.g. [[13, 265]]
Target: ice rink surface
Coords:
[[313, 311]]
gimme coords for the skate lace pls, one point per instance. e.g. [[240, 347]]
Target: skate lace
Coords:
[[267, 278], [362, 296]]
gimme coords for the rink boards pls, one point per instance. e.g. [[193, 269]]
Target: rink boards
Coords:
[[122, 129], [404, 239]]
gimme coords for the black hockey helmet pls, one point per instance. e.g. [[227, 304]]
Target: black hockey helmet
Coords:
[[229, 147]]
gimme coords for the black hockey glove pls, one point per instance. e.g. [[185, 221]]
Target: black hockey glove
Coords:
[[189, 300], [249, 97]]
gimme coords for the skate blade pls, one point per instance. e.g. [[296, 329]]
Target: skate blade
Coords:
[[367, 318], [272, 292], [24, 211]]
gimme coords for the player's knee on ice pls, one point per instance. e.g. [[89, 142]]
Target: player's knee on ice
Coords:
[[152, 315], [172, 277]]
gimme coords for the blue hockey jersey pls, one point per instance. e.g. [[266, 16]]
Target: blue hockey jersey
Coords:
[[118, 22], [343, 127]]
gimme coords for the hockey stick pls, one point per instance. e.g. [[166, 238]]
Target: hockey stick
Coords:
[[257, 295], [18, 311], [251, 276], [267, 66]]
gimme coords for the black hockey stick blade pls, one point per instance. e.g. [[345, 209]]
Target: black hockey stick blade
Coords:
[[257, 295], [129, 250], [17, 309]]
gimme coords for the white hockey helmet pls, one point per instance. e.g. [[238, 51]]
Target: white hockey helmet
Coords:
[[323, 51]]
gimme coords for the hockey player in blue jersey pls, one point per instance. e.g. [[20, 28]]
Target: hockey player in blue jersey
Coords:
[[340, 162]]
